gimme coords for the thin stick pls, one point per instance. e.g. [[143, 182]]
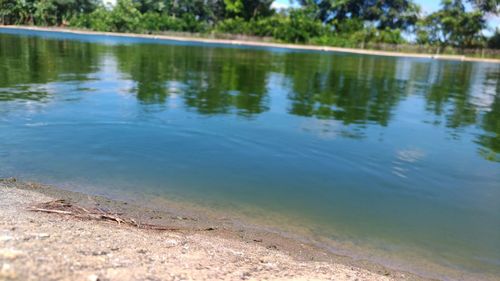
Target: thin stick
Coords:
[[51, 211]]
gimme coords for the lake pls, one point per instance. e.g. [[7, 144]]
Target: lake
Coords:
[[392, 159]]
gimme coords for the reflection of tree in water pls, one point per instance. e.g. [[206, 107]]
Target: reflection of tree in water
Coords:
[[214, 80], [458, 93], [449, 95], [235, 81], [23, 92], [354, 90], [490, 139], [28, 63], [151, 67]]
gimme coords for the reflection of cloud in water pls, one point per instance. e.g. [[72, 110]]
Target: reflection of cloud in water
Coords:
[[328, 129], [174, 90], [483, 89], [405, 158], [324, 129], [410, 155]]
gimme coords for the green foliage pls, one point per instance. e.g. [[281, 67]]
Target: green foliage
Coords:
[[486, 6], [348, 23], [98, 20], [400, 14], [494, 41], [234, 26], [248, 9], [298, 26], [301, 27], [125, 16], [45, 12], [452, 26]]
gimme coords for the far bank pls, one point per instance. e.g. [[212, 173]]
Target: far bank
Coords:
[[251, 43]]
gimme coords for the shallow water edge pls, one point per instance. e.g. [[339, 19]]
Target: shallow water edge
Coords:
[[191, 218]]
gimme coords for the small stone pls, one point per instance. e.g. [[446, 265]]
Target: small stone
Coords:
[[42, 235], [99, 253], [171, 243], [7, 272], [272, 247], [6, 238], [245, 275], [10, 254], [93, 277]]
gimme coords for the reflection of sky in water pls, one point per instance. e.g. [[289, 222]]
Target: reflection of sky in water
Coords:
[[395, 153], [405, 158]]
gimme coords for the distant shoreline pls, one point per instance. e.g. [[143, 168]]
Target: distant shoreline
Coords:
[[257, 44]]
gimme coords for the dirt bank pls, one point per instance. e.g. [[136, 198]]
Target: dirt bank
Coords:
[[51, 246]]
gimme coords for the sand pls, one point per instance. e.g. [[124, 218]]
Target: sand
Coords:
[[46, 246]]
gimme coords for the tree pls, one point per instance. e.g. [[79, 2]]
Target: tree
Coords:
[[400, 14], [453, 26], [145, 6], [43, 12], [125, 16], [486, 6], [494, 41], [393, 14], [17, 11], [249, 9]]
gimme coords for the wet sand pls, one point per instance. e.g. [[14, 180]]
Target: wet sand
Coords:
[[51, 246], [259, 44]]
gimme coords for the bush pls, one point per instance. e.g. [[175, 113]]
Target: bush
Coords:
[[190, 23], [45, 12], [125, 17], [494, 41], [233, 26], [152, 21], [297, 27], [98, 20]]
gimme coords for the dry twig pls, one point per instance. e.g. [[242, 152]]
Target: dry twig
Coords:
[[64, 207]]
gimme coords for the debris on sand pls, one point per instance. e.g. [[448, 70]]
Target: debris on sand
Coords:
[[63, 207]]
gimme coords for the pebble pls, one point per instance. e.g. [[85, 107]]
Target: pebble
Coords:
[[171, 243], [41, 235], [10, 254], [99, 253], [6, 238], [7, 272]]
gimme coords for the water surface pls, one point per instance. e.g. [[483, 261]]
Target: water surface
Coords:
[[397, 155]]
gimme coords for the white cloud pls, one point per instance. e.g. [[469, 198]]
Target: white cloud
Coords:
[[279, 6]]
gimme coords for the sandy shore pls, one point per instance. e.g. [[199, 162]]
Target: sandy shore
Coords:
[[260, 44], [49, 246]]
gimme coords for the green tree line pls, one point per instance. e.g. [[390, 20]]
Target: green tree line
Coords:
[[347, 23]]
